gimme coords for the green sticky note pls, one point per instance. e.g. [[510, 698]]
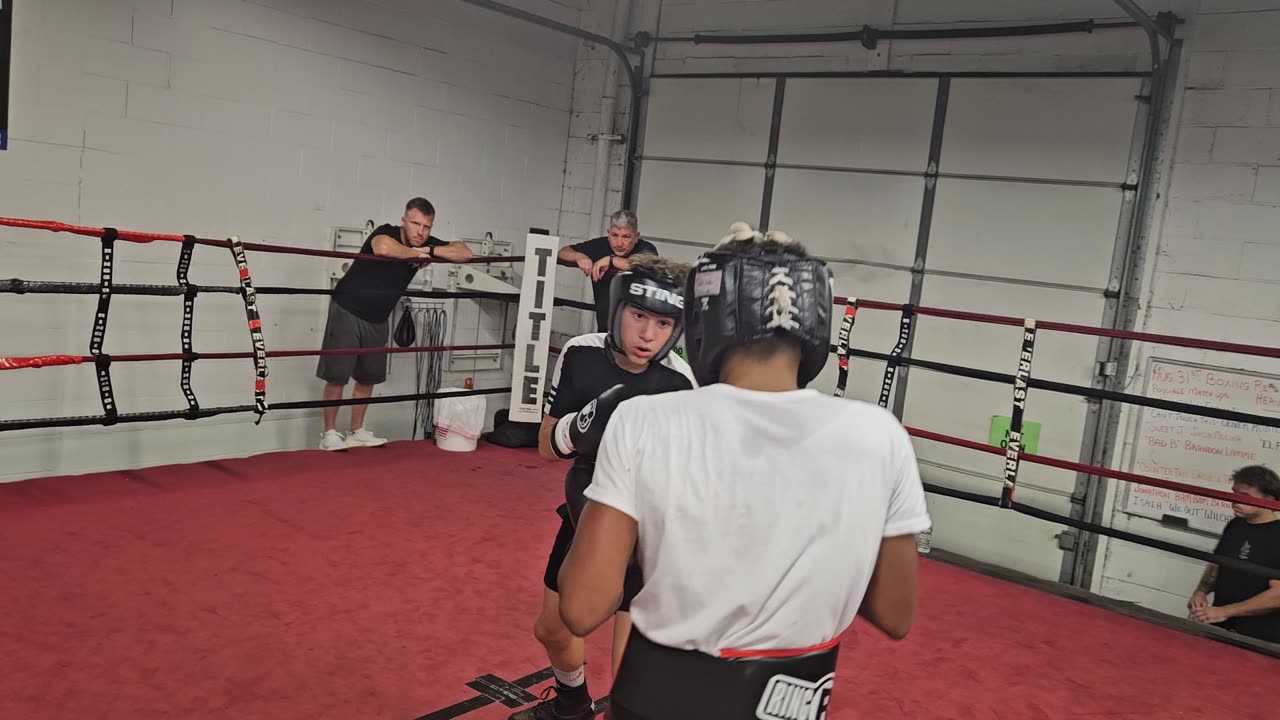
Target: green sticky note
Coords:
[[679, 350], [1000, 433]]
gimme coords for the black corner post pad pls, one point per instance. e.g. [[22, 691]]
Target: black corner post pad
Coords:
[[102, 361], [905, 326], [1021, 385], [102, 368]]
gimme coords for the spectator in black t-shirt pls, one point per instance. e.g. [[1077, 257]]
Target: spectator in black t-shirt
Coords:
[[360, 313], [1242, 601], [602, 258]]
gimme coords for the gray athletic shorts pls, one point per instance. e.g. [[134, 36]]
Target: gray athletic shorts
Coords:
[[346, 331]]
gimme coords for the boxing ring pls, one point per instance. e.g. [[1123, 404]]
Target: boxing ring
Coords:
[[402, 582]]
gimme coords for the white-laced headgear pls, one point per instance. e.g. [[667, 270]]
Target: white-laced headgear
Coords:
[[749, 287]]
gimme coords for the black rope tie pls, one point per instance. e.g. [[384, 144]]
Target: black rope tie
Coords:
[[842, 344], [1021, 384], [895, 357], [102, 361], [255, 329], [189, 292]]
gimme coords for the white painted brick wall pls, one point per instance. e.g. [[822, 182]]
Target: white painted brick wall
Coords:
[[1213, 272], [276, 121]]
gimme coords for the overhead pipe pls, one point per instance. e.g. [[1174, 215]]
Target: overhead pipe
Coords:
[[869, 36]]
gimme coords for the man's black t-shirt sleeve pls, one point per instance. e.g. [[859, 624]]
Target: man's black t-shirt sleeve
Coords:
[[560, 396]]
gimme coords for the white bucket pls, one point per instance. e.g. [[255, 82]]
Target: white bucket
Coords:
[[459, 421], [454, 441]]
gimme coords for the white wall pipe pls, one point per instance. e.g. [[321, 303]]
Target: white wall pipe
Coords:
[[608, 108]]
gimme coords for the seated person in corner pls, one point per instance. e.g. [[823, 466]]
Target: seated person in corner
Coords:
[[360, 314], [595, 372], [1244, 602]]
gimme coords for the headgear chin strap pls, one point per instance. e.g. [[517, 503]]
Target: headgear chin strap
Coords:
[[651, 294], [737, 299]]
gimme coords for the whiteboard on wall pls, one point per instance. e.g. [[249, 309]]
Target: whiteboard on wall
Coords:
[[1199, 450]]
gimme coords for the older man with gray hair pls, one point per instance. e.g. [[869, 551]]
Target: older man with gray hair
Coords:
[[600, 259]]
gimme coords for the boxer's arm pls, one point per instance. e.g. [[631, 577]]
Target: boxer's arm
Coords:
[[454, 251], [890, 601], [545, 451], [591, 578]]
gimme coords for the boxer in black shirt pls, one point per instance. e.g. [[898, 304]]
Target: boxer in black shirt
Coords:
[[1244, 602], [596, 372]]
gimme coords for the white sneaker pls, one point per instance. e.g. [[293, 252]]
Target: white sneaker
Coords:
[[364, 438], [332, 440]]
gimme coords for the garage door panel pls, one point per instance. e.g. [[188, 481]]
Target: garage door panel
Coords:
[[1059, 356], [709, 119], [873, 330], [1076, 129], [964, 407], [1041, 233], [696, 202], [853, 216], [869, 123], [1000, 537]]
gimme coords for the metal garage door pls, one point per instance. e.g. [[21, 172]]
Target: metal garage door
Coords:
[[1005, 195]]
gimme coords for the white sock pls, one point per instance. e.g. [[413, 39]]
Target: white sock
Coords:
[[573, 678]]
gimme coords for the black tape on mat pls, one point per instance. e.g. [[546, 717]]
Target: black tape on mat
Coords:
[[895, 357], [1013, 448], [255, 328], [102, 361], [842, 344]]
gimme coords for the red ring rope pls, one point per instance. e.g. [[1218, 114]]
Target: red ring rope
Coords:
[[1243, 349], [141, 237], [1104, 472]]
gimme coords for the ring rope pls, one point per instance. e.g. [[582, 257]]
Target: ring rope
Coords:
[[141, 237], [1179, 340], [155, 416], [18, 286], [1080, 390]]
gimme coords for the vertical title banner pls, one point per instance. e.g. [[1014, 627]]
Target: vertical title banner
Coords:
[[533, 328], [6, 41]]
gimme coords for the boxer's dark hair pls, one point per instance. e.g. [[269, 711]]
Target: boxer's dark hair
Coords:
[[665, 269], [1260, 478], [422, 205]]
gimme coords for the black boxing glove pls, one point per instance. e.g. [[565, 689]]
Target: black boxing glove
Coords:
[[580, 433]]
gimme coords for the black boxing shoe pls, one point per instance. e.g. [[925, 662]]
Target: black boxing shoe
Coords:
[[569, 703]]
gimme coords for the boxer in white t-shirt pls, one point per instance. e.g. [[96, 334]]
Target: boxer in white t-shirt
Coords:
[[764, 515]]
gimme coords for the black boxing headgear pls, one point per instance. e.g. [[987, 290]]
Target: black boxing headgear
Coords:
[[734, 297], [650, 293]]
